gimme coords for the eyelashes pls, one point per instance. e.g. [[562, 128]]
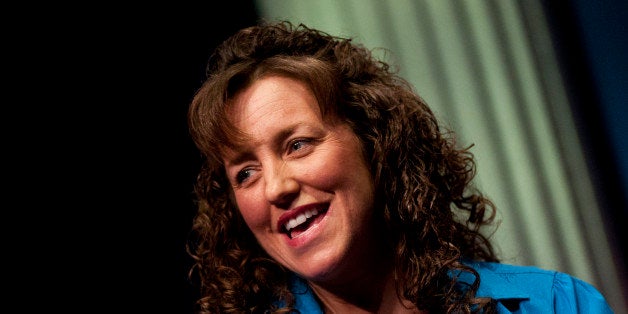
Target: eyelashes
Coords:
[[243, 174]]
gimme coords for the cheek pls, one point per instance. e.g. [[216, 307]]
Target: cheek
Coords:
[[343, 167], [252, 209]]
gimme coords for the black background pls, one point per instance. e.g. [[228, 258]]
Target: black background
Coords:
[[162, 62], [101, 164]]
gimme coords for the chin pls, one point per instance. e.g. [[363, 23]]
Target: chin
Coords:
[[322, 268]]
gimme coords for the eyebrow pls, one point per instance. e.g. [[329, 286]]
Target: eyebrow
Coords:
[[240, 157]]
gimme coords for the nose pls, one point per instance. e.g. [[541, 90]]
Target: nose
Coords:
[[281, 185]]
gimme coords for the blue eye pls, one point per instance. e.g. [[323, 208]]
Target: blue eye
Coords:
[[243, 175], [298, 144]]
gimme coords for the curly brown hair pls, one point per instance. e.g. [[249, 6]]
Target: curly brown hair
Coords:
[[432, 213]]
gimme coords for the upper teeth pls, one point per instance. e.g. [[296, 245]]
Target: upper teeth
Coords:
[[300, 219]]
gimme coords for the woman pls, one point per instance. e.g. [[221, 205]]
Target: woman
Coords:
[[328, 186]]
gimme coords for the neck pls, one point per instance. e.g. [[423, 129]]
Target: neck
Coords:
[[364, 296], [372, 292]]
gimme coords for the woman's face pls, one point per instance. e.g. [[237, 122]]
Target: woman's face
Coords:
[[301, 184]]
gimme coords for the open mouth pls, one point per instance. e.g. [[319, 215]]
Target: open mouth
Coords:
[[297, 225]]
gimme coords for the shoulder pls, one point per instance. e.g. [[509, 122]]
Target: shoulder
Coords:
[[521, 289]]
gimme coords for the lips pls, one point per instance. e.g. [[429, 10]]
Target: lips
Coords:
[[299, 219]]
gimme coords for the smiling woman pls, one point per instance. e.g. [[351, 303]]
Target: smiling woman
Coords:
[[329, 186], [296, 165]]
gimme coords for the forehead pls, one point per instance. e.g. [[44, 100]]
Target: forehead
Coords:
[[273, 98]]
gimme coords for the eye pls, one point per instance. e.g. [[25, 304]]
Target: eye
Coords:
[[297, 145], [243, 175]]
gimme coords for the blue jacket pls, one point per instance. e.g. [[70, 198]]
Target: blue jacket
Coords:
[[517, 289]]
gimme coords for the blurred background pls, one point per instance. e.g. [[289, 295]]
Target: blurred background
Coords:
[[538, 87]]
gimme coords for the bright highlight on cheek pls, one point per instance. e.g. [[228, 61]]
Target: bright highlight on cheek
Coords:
[[251, 208]]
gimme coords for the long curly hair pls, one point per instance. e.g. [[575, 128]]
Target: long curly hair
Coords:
[[425, 197]]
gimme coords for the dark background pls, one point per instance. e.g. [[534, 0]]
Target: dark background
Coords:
[[98, 98], [163, 57], [591, 38]]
